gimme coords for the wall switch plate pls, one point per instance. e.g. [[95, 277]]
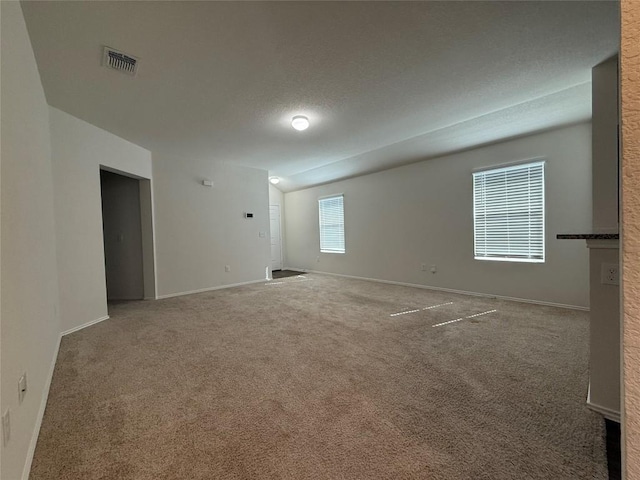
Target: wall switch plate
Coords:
[[262, 234], [424, 267], [22, 387], [227, 268], [318, 259], [610, 274], [6, 427]]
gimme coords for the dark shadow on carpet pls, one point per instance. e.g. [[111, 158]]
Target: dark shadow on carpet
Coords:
[[285, 273]]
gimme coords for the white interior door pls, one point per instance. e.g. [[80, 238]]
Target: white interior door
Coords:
[[276, 237]]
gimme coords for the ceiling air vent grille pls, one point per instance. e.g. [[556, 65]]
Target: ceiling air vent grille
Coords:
[[120, 61]]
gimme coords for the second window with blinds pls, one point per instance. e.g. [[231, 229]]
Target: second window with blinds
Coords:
[[508, 213], [331, 213]]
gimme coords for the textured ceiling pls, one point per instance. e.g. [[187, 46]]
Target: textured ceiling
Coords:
[[384, 83]]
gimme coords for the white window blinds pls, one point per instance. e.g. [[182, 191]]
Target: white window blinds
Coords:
[[331, 212], [508, 213]]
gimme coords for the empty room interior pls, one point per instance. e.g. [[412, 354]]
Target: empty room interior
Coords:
[[295, 240]]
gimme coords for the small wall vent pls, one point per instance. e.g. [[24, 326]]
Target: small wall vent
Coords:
[[117, 60]]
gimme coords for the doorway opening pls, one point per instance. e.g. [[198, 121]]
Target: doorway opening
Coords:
[[128, 236]]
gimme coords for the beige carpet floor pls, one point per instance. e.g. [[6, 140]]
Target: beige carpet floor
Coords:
[[320, 377]]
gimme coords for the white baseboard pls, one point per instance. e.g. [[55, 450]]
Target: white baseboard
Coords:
[[84, 325], [202, 290], [43, 405], [607, 413], [448, 290]]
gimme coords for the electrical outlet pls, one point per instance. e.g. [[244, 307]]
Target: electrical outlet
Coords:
[[433, 269], [227, 268], [22, 387], [6, 427], [610, 274], [424, 267]]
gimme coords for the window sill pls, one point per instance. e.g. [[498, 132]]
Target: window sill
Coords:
[[507, 259]]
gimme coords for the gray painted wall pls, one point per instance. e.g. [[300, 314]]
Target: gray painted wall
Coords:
[[605, 146], [604, 360], [398, 219], [79, 151], [30, 322], [200, 229]]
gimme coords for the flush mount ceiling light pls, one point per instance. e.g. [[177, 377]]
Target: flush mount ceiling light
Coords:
[[274, 180], [300, 122]]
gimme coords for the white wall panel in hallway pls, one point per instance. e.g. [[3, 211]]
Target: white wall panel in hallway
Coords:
[[276, 237]]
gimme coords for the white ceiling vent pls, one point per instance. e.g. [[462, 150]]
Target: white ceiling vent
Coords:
[[117, 60]]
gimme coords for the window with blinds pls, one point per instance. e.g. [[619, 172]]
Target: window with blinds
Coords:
[[508, 213], [331, 210]]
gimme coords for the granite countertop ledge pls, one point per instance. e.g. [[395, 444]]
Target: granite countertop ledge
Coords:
[[588, 236]]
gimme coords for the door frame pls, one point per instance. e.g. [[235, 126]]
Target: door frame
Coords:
[[148, 232]]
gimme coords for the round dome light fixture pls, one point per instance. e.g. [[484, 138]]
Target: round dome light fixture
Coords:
[[300, 122], [274, 180]]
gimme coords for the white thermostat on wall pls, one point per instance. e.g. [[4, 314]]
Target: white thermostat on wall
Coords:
[[248, 215]]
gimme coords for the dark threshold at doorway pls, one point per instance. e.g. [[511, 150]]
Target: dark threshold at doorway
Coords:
[[613, 450], [284, 273]]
